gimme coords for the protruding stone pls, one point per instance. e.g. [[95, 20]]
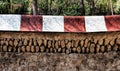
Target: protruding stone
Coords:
[[53, 44], [83, 49], [32, 49], [34, 42], [25, 42], [18, 50], [100, 41], [112, 42], [55, 50], [87, 49], [59, 43], [51, 50], [63, 50], [9, 48], [6, 42], [2, 42], [78, 49], [28, 48], [56, 45], [49, 43], [37, 48], [95, 40], [67, 51], [82, 43], [45, 42], [20, 43], [106, 41], [86, 42], [62, 43], [59, 49], [115, 48], [74, 49], [108, 48], [47, 50], [92, 48], [118, 41], [14, 49], [72, 43], [30, 42], [5, 48], [15, 42], [39, 41], [10, 42], [97, 48], [42, 48], [102, 48], [76, 43], [66, 41], [23, 48], [68, 46]]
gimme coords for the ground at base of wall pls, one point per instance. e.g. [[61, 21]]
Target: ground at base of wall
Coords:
[[109, 61]]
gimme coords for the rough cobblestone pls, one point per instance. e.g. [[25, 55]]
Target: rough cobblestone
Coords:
[[109, 61], [59, 42]]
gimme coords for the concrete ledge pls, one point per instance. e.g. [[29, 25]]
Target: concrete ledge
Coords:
[[59, 23]]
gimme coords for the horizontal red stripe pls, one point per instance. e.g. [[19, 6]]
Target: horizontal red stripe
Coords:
[[113, 23], [74, 24], [31, 23]]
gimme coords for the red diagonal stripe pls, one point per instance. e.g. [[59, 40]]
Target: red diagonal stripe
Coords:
[[31, 23], [113, 23], [74, 24]]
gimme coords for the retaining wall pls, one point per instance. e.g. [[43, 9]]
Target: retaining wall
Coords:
[[59, 43]]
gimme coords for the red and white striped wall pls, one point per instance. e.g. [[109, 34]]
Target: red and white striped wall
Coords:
[[59, 23]]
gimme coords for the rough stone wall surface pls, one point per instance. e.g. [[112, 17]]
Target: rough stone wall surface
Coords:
[[59, 42], [106, 59], [109, 61]]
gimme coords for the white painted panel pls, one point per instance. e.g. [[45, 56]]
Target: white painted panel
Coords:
[[10, 22], [53, 24], [95, 24]]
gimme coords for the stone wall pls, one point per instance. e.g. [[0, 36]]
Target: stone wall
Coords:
[[109, 61], [59, 42]]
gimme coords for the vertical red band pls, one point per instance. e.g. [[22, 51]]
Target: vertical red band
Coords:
[[112, 23], [74, 24], [31, 23]]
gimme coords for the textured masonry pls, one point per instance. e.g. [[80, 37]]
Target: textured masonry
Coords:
[[59, 42]]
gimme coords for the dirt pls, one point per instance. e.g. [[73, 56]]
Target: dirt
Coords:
[[108, 61]]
